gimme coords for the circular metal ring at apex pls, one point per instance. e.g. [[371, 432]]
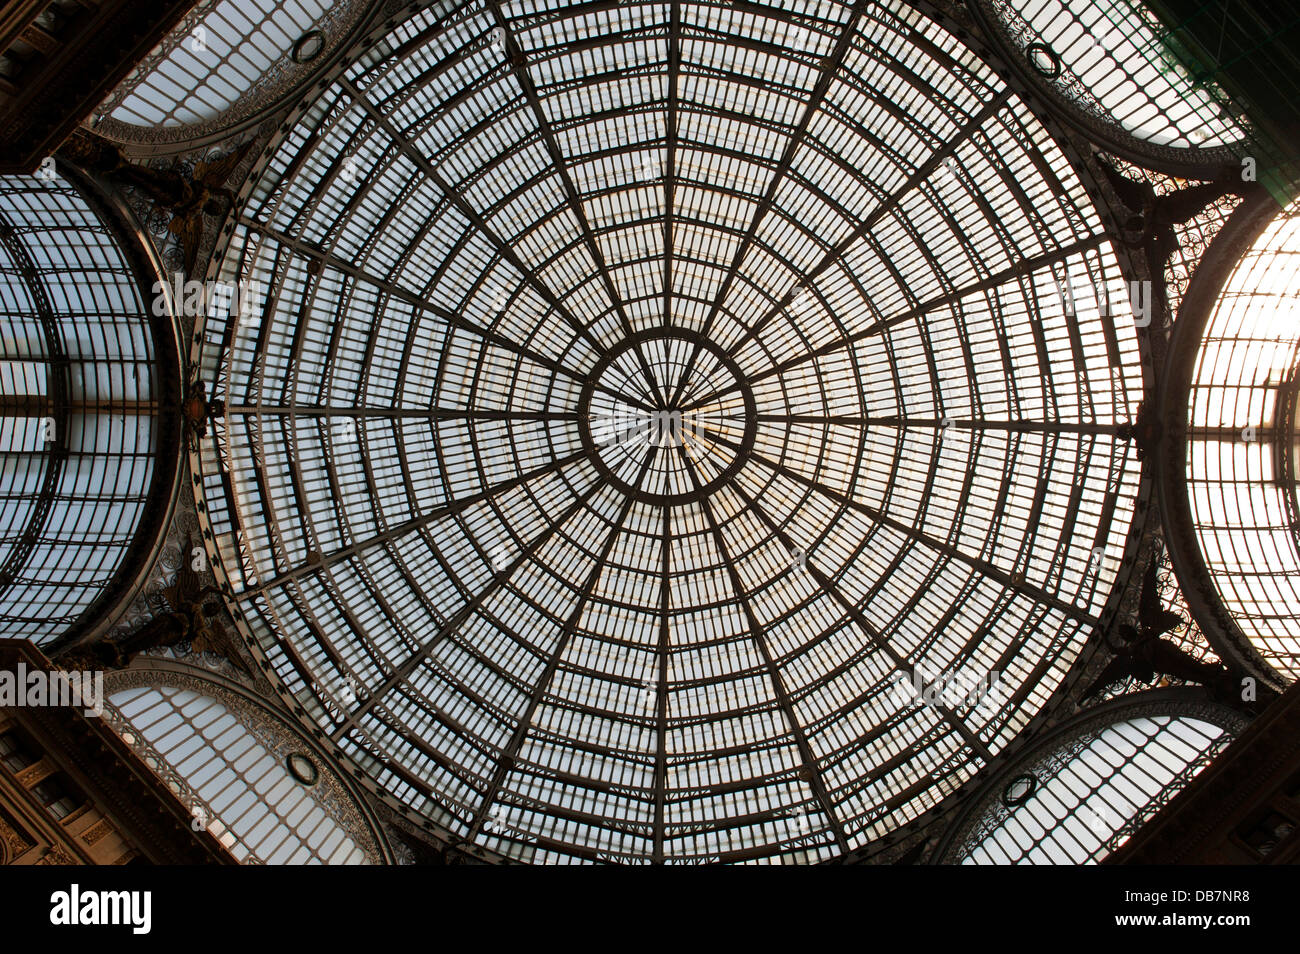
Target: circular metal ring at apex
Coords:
[[725, 457]]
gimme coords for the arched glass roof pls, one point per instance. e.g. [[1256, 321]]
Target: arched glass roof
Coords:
[[1242, 449], [262, 804], [79, 414], [1112, 60], [638, 394], [1079, 801], [227, 48], [228, 63]]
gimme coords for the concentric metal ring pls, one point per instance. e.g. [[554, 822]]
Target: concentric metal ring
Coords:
[[677, 395]]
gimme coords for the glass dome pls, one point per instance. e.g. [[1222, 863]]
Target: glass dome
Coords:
[[669, 432]]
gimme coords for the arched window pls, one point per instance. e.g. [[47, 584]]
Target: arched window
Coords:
[[1242, 448], [1111, 60], [247, 778], [224, 66], [1076, 798]]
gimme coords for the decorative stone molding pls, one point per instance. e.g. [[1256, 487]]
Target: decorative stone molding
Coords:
[[58, 855], [97, 832], [12, 842]]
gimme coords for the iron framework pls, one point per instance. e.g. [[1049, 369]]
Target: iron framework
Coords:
[[832, 240]]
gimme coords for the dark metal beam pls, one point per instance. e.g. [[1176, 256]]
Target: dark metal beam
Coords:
[[855, 614], [54, 456], [499, 579], [1020, 269], [670, 165], [409, 297], [392, 533], [519, 68], [396, 413], [662, 650], [915, 533], [924, 171], [959, 424]]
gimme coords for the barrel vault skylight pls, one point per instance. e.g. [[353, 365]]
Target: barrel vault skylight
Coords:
[[79, 387], [1241, 455]]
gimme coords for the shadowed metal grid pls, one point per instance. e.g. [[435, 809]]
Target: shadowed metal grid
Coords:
[[78, 407], [494, 207], [1241, 454]]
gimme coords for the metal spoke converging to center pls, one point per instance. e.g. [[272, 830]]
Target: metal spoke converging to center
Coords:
[[668, 381]]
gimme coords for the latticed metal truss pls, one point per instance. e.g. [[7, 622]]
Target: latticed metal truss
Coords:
[[645, 412]]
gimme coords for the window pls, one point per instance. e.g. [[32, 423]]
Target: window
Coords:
[[1241, 454], [260, 806], [78, 402], [59, 796], [1077, 799], [1111, 58], [14, 753]]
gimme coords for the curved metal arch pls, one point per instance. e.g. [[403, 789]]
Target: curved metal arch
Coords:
[[57, 361], [145, 539]]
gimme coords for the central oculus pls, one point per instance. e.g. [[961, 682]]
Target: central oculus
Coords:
[[667, 416]]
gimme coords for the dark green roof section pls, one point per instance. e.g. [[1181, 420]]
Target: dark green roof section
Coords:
[[1249, 52]]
